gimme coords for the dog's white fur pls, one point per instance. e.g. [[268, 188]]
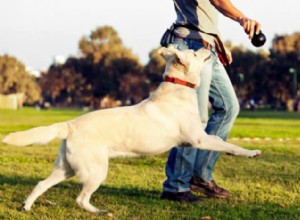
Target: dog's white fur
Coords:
[[168, 118]]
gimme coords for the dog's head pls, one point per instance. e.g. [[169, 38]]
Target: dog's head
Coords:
[[185, 65]]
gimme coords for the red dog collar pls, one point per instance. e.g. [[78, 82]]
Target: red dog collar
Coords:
[[179, 81]]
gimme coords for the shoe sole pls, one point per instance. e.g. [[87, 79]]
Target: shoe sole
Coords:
[[209, 195], [183, 201]]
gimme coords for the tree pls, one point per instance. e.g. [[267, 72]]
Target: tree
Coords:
[[15, 79], [102, 41], [267, 76], [285, 44], [64, 84], [243, 72], [155, 68], [285, 64], [106, 68], [111, 63]]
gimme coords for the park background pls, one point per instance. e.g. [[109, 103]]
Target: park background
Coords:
[[108, 74], [69, 57], [94, 55]]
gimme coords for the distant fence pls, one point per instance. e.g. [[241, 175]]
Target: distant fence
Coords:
[[11, 101]]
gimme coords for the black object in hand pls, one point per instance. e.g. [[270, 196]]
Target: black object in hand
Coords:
[[259, 39]]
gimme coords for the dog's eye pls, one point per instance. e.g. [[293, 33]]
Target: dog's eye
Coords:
[[195, 54]]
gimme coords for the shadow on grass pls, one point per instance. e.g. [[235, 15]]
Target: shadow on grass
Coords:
[[70, 185], [144, 203], [17, 180]]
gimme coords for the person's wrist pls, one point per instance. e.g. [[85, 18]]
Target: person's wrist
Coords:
[[241, 20]]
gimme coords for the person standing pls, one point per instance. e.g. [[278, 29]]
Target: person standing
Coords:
[[196, 26]]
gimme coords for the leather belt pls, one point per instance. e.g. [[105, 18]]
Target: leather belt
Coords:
[[204, 42]]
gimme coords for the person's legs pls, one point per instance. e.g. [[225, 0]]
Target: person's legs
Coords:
[[225, 110], [180, 164], [183, 163]]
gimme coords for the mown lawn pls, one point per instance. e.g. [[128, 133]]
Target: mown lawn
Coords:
[[262, 188]]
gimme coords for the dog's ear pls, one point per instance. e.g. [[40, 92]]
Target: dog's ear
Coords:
[[166, 53], [171, 51], [181, 57]]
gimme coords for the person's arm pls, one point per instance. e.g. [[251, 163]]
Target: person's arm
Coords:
[[229, 10]]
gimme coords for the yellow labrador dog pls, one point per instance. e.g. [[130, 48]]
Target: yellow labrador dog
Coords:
[[168, 118]]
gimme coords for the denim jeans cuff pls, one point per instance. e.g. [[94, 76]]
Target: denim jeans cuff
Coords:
[[207, 179]]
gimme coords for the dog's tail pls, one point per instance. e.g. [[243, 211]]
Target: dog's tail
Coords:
[[38, 135]]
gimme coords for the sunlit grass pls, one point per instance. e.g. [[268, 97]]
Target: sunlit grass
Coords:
[[262, 188]]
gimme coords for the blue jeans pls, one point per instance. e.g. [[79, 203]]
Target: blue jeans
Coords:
[[216, 87]]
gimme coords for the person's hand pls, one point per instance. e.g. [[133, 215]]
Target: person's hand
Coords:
[[228, 55], [250, 26]]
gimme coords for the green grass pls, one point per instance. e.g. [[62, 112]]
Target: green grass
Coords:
[[263, 124], [262, 188]]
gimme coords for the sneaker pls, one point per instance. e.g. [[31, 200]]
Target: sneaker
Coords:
[[210, 189], [180, 196]]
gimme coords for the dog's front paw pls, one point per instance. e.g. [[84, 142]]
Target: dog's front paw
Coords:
[[254, 153], [25, 208]]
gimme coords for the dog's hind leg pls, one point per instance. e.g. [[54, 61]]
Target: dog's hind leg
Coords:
[[91, 178], [61, 172]]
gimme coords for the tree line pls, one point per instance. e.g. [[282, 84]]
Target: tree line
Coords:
[[108, 74]]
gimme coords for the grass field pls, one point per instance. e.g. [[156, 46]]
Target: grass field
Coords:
[[262, 188]]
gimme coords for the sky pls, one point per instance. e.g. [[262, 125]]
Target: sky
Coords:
[[35, 31]]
